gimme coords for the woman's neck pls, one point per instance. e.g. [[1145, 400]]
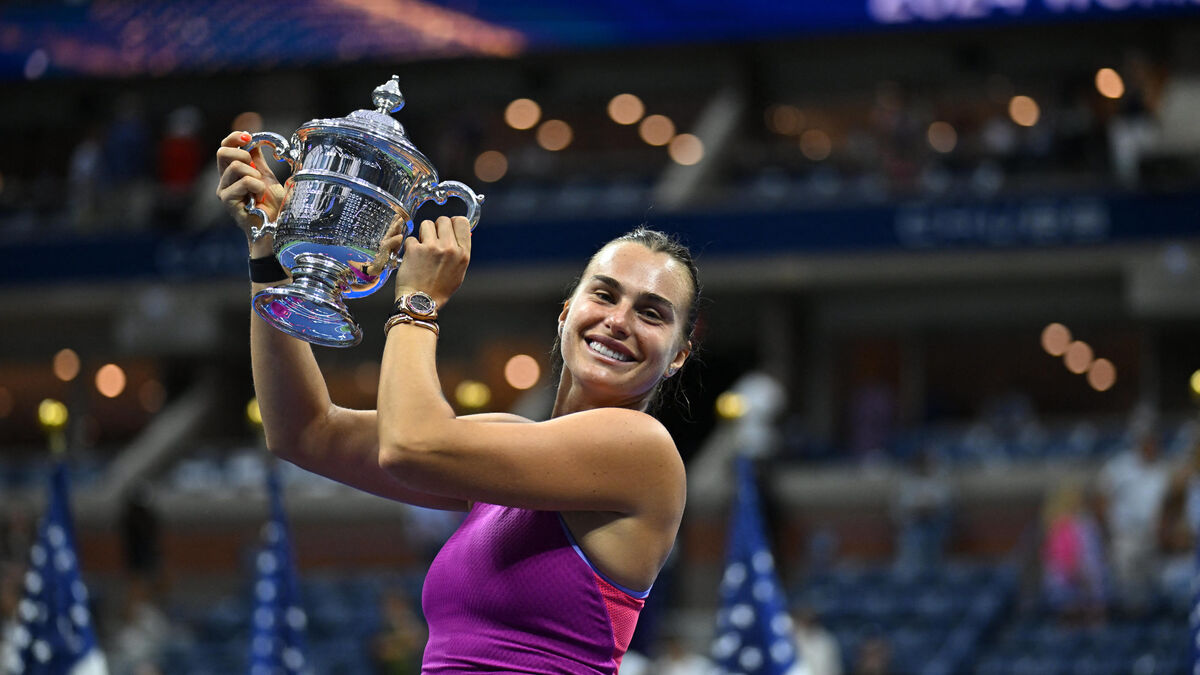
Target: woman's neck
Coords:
[[572, 398]]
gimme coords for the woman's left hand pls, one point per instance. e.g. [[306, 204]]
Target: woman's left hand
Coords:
[[435, 257]]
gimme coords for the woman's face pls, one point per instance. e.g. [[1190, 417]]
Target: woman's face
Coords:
[[623, 328]]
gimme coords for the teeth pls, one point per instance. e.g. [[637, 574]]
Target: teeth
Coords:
[[601, 349]]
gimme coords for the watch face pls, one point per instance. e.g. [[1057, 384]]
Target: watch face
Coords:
[[421, 304]]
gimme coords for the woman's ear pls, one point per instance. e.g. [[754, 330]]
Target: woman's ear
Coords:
[[562, 316], [680, 358]]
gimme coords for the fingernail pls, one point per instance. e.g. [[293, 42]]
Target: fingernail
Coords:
[[252, 165], [245, 137]]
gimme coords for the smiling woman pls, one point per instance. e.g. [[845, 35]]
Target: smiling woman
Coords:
[[569, 519]]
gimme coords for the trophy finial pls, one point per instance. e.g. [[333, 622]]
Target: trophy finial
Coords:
[[387, 97]]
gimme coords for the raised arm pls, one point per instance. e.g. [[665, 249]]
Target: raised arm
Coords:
[[301, 423], [607, 459]]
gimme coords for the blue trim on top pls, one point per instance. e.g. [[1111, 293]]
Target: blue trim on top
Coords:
[[640, 595]]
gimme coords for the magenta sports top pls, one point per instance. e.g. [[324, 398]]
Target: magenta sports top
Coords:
[[511, 592]]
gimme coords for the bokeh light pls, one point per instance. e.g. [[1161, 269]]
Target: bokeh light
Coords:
[[1055, 339], [656, 130], [1194, 382], [66, 365], [522, 113], [491, 165], [815, 145], [52, 414], [686, 149], [626, 109], [110, 380], [1109, 83], [554, 135], [942, 137], [522, 371], [1024, 111], [472, 394], [1078, 357], [1102, 375], [784, 119], [731, 405], [253, 412]]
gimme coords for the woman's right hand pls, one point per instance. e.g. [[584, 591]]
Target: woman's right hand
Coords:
[[244, 174]]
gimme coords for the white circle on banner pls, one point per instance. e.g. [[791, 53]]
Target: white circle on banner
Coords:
[[262, 645], [781, 651], [21, 637], [782, 624], [33, 582], [763, 562], [79, 591], [751, 658], [42, 651], [13, 663], [726, 645], [1196, 669], [735, 574], [742, 615], [264, 618], [260, 669], [296, 618], [272, 532], [64, 560], [80, 615], [293, 659], [56, 535], [37, 555], [764, 590], [267, 562], [265, 590]]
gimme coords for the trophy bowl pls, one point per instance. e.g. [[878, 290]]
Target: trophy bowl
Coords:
[[352, 178]]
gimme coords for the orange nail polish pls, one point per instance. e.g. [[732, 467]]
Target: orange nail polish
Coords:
[[252, 165], [245, 137]]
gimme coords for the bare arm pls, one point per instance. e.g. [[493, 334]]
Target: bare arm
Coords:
[[301, 423], [607, 459]]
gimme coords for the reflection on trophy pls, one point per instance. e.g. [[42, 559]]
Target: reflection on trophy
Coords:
[[352, 177]]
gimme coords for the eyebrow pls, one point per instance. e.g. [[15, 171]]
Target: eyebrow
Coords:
[[616, 285]]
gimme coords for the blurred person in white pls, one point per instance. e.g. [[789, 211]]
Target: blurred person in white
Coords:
[[923, 509], [1132, 487], [820, 653]]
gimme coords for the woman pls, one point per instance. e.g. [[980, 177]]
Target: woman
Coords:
[[569, 519]]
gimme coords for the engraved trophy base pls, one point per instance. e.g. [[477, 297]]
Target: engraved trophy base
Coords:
[[312, 308]]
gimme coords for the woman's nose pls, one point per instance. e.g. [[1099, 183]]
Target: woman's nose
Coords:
[[617, 320]]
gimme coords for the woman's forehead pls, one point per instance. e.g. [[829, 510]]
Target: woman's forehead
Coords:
[[638, 269]]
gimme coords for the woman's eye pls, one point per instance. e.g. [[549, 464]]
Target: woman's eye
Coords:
[[604, 295], [652, 314]]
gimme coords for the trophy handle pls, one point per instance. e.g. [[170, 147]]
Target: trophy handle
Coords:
[[452, 188], [281, 150]]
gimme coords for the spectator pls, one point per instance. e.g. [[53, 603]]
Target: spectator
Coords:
[[922, 509], [820, 653], [1133, 485], [1073, 575]]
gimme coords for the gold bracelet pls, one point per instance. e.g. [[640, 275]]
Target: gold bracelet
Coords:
[[401, 317]]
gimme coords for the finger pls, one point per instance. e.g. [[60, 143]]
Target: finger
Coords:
[[462, 232], [240, 189], [227, 155], [428, 232], [237, 171], [235, 140]]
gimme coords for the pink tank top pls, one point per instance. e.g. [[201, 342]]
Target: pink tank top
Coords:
[[512, 592]]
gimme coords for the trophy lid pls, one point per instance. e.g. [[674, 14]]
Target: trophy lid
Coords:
[[379, 127]]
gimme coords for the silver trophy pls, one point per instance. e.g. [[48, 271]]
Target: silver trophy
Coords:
[[352, 177]]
